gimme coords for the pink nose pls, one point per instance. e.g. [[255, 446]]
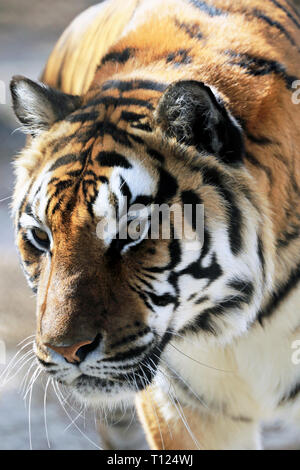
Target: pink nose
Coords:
[[75, 353]]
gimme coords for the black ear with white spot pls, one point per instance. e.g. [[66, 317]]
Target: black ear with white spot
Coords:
[[38, 106], [191, 112]]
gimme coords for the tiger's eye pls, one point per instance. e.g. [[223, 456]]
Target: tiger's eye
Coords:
[[41, 237]]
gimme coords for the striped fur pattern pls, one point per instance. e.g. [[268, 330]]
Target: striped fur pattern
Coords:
[[187, 102]]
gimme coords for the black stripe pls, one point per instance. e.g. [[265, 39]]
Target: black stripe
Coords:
[[292, 395], [118, 101], [212, 177], [209, 9], [259, 66], [57, 206], [192, 29], [162, 300], [191, 198], [119, 57], [34, 278], [262, 16], [112, 159], [28, 210], [28, 262], [134, 85], [130, 338], [131, 353], [66, 159], [175, 258], [286, 11], [103, 179], [205, 320], [144, 200], [179, 57], [73, 174], [55, 179], [259, 140], [211, 272], [252, 159], [156, 155], [294, 8], [45, 364], [61, 186], [58, 144], [167, 187], [142, 127], [131, 117], [146, 283], [23, 202], [83, 117], [119, 135], [245, 288], [287, 236], [101, 128], [145, 371], [142, 296], [261, 255], [280, 295], [201, 300]]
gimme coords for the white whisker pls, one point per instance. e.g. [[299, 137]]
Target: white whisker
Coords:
[[22, 362], [23, 384], [36, 373], [45, 411], [26, 339], [12, 363], [192, 358], [5, 198], [57, 393], [81, 411]]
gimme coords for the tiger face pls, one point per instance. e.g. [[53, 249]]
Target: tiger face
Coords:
[[108, 307]]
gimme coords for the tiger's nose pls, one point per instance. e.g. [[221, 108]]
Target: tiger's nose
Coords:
[[77, 352]]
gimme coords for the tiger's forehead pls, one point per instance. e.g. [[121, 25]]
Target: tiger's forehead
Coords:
[[113, 117], [104, 142], [73, 181]]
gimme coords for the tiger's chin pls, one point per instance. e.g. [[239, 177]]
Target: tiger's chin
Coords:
[[98, 392]]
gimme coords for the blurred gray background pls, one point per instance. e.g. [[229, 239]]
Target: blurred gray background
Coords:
[[28, 31]]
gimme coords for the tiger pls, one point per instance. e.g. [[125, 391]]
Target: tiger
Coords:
[[183, 102]]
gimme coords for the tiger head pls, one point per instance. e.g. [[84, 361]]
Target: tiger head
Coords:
[[109, 306]]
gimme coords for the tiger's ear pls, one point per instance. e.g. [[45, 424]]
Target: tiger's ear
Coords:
[[191, 112], [38, 106]]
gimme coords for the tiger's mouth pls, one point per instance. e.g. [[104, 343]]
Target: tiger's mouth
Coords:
[[123, 384], [89, 386], [102, 380]]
